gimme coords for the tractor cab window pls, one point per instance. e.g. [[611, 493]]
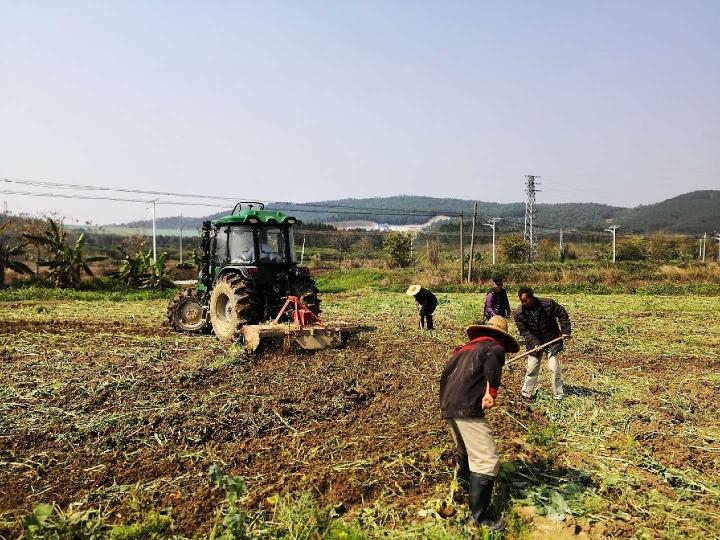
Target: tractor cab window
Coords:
[[221, 242], [272, 245], [242, 245]]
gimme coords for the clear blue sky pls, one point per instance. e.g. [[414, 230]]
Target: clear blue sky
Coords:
[[615, 102]]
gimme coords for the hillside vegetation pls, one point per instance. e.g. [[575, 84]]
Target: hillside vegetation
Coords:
[[694, 212]]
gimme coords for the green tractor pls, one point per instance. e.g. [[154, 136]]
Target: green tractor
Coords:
[[249, 269]]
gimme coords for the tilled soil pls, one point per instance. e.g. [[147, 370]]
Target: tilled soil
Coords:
[[347, 424], [94, 413]]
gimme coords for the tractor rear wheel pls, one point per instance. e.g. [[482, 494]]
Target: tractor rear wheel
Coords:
[[185, 312], [304, 288], [231, 307]]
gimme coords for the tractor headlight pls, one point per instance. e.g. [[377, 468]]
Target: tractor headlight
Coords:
[[252, 220]]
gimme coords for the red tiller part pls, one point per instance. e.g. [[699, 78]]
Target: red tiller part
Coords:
[[301, 313]]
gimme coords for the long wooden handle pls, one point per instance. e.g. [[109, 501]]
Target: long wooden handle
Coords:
[[536, 349]]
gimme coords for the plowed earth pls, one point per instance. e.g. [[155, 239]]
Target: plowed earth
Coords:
[[100, 403]]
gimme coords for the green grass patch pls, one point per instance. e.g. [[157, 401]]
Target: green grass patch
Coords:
[[117, 295], [362, 278]]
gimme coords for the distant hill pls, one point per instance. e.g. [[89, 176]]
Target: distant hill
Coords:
[[408, 210], [693, 212]]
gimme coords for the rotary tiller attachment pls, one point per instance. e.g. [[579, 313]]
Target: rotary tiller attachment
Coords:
[[300, 325]]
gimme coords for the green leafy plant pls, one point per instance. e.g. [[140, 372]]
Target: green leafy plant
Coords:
[[397, 248], [67, 263], [9, 256], [50, 523], [130, 269], [234, 521], [140, 271], [153, 525], [513, 248]]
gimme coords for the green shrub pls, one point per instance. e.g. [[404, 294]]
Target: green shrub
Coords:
[[513, 248], [397, 247]]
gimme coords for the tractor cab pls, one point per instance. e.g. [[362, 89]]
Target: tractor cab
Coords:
[[254, 241]]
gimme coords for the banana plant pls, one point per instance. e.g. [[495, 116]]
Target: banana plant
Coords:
[[140, 270], [131, 268], [155, 276], [66, 263], [9, 255]]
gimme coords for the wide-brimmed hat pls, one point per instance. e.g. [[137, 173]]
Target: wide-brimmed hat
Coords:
[[496, 325], [413, 290]]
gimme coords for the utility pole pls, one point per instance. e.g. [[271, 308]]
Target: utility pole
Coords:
[[491, 223], [472, 245], [612, 230], [153, 229], [561, 246], [302, 252], [5, 207], [530, 190], [411, 247], [718, 249], [462, 249], [702, 251], [181, 226]]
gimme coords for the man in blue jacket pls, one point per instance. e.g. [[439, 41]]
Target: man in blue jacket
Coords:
[[468, 387]]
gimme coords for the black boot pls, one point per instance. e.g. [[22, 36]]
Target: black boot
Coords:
[[481, 486], [463, 472]]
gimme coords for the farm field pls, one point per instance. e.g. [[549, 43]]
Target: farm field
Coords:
[[114, 419]]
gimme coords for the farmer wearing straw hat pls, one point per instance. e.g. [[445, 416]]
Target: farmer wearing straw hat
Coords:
[[427, 303], [468, 386]]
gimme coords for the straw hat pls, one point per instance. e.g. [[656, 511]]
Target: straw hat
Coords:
[[413, 290], [496, 325]]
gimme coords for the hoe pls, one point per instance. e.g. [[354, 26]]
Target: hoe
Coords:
[[249, 275]]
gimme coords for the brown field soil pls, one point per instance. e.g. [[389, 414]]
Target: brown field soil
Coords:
[[100, 405]]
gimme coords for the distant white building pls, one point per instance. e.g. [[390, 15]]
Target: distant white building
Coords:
[[374, 226]]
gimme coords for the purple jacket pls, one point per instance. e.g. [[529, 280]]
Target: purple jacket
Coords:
[[497, 303]]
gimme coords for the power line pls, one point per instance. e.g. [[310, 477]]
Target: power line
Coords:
[[211, 205], [86, 187], [296, 206], [104, 198]]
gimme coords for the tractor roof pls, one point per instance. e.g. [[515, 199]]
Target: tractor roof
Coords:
[[255, 216]]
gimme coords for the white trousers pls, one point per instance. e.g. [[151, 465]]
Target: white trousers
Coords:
[[531, 375], [474, 438]]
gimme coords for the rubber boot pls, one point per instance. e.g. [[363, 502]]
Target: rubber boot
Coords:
[[463, 472], [481, 486]]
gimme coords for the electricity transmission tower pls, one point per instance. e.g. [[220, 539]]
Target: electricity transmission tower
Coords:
[[530, 238]]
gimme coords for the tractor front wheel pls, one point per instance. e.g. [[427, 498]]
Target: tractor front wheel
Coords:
[[185, 312], [231, 307]]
